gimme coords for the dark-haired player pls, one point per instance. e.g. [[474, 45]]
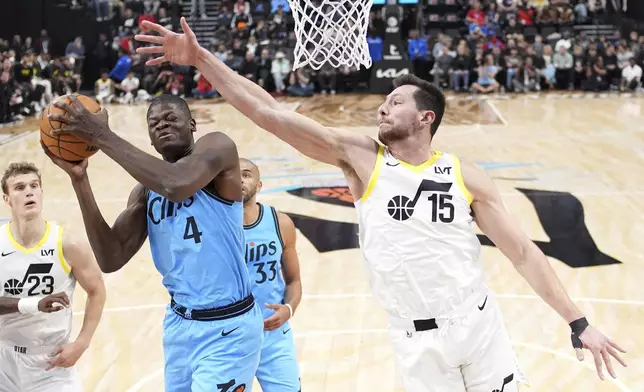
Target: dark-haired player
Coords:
[[415, 211], [190, 206]]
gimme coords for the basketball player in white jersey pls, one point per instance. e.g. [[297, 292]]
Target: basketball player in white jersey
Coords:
[[415, 212], [39, 267]]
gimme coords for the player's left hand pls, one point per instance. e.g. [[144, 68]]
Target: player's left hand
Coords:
[[79, 121], [66, 355], [281, 315], [602, 349]]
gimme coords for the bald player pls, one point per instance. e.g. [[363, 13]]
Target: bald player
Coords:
[[271, 258]]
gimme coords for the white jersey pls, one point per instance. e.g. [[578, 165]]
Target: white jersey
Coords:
[[37, 271], [416, 235]]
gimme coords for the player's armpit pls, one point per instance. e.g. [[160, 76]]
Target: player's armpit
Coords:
[[80, 258], [333, 146], [290, 261], [494, 220]]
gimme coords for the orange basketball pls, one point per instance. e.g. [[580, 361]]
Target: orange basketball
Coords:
[[67, 147]]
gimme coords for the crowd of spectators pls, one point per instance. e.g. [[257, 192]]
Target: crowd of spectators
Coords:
[[503, 51], [500, 45]]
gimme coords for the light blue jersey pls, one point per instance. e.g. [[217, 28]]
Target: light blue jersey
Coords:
[[213, 328], [198, 247], [264, 247], [278, 369]]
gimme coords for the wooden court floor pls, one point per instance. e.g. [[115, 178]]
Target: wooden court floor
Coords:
[[570, 170]]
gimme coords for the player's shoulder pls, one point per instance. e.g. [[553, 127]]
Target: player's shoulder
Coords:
[[74, 246], [216, 139], [477, 181]]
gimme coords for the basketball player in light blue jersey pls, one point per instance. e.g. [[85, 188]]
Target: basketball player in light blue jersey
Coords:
[[190, 206], [274, 268]]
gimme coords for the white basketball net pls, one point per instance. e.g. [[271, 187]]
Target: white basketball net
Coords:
[[331, 31]]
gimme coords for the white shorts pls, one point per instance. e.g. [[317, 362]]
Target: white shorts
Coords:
[[22, 371], [470, 350]]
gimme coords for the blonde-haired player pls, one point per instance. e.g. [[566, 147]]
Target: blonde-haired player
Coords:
[[39, 267]]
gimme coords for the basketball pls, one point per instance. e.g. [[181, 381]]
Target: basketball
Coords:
[[67, 147]]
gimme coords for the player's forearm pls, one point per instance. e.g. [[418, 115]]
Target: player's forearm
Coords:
[[293, 294], [105, 244], [153, 173], [542, 278], [93, 311], [9, 305], [240, 92]]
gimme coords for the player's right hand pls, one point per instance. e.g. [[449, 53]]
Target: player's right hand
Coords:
[[76, 170], [53, 303]]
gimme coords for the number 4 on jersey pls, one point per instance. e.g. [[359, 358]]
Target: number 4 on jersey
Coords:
[[192, 230]]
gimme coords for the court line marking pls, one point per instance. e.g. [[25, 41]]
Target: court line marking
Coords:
[[366, 295], [497, 112], [530, 346], [16, 137]]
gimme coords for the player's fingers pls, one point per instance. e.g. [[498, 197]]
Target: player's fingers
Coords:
[[613, 344], [272, 306], [152, 39], [580, 354], [609, 364], [63, 297], [154, 27], [65, 106], [598, 364], [65, 129], [156, 61], [75, 104], [616, 355], [150, 50], [60, 118], [186, 29]]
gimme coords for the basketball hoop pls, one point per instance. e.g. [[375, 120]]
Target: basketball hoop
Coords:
[[331, 31]]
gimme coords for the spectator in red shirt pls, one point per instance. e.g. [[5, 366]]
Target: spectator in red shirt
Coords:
[[146, 16], [475, 14]]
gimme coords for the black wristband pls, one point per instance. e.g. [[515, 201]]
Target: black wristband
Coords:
[[578, 327]]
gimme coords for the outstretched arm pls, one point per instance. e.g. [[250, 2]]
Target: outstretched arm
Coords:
[[328, 145], [495, 221]]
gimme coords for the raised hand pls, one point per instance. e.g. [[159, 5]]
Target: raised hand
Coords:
[[176, 48], [79, 121]]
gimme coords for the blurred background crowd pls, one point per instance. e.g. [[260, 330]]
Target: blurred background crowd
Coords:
[[474, 46]]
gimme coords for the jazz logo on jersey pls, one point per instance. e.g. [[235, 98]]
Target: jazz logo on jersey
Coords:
[[37, 275], [401, 207]]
